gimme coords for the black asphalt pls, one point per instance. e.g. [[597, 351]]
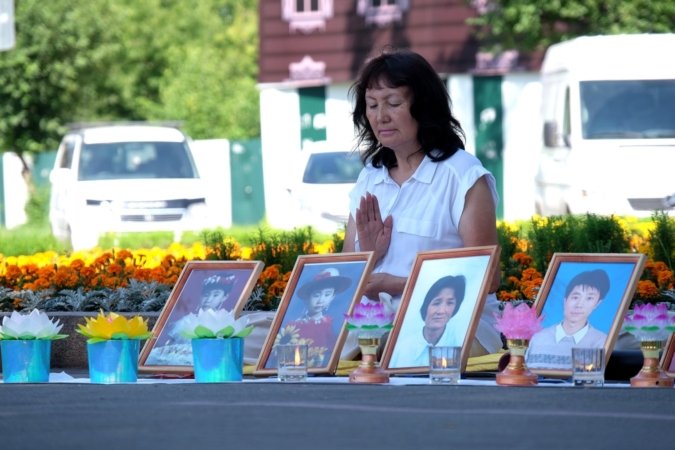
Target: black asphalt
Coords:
[[257, 415]]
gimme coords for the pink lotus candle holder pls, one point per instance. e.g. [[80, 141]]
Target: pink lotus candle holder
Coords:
[[517, 324], [651, 325], [371, 320]]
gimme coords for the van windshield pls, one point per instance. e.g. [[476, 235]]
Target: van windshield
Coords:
[[332, 168], [129, 160], [628, 109]]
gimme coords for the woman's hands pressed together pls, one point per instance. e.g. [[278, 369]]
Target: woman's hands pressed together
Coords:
[[373, 233]]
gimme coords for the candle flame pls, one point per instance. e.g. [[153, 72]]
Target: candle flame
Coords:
[[297, 356], [589, 367], [444, 362]]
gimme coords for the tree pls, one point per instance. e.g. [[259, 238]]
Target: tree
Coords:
[[535, 24], [50, 76], [80, 61], [210, 71]]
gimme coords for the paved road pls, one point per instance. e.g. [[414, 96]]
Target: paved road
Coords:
[[256, 415]]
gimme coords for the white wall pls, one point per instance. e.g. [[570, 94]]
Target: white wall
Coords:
[[281, 146], [212, 158], [521, 98], [280, 140], [340, 131], [16, 190], [460, 88]]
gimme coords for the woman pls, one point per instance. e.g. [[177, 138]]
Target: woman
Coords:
[[419, 190], [441, 303]]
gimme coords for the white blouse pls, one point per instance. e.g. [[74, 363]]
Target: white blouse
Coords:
[[427, 210]]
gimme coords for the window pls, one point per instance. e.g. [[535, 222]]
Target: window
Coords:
[[382, 12], [628, 109], [67, 155], [307, 15]]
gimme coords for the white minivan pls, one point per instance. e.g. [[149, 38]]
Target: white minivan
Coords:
[[125, 178], [609, 126]]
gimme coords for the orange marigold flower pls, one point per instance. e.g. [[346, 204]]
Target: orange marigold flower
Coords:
[[271, 272], [665, 279], [115, 269], [523, 259], [659, 266], [647, 289], [41, 283], [505, 296], [530, 274], [530, 290], [77, 264], [124, 254]]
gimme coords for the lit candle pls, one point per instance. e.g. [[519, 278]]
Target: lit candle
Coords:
[[292, 362], [444, 365]]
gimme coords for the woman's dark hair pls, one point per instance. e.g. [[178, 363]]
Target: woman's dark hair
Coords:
[[439, 133], [456, 283]]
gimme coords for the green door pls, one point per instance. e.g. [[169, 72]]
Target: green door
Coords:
[[488, 117], [43, 163], [248, 195], [312, 113]]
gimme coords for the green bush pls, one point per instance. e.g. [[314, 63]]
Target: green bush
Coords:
[[37, 207], [282, 247], [662, 238], [575, 234]]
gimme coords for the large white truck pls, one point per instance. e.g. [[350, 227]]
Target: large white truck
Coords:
[[609, 126]]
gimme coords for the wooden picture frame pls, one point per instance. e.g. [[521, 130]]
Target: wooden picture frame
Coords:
[[299, 321], [467, 273], [215, 284], [668, 357], [589, 293]]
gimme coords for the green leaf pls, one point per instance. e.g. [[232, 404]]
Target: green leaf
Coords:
[[245, 332], [58, 336], [119, 336], [27, 337], [226, 332], [203, 332], [650, 328]]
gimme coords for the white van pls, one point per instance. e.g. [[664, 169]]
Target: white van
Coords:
[[609, 126], [125, 178]]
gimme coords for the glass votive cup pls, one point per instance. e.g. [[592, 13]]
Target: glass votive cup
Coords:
[[588, 367], [444, 364], [292, 362]]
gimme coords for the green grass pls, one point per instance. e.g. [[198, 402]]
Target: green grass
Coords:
[[36, 238], [28, 240]]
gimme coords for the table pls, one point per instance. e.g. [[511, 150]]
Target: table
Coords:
[[329, 413]]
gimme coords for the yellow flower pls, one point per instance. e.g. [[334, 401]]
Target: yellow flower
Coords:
[[113, 326]]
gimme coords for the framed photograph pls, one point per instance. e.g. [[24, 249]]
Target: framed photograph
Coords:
[[202, 284], [668, 357], [320, 291], [583, 299], [440, 306]]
